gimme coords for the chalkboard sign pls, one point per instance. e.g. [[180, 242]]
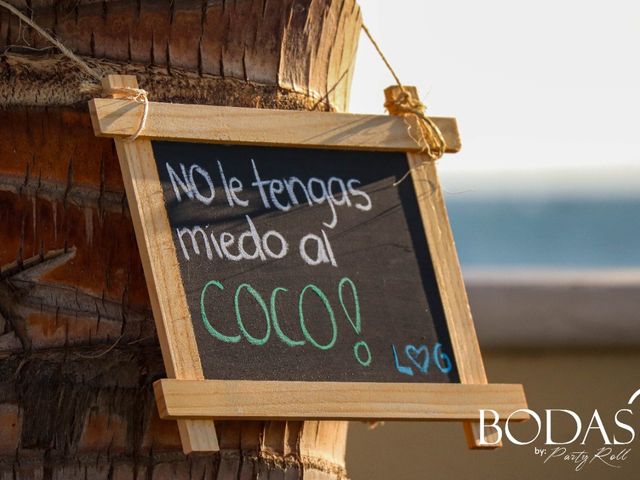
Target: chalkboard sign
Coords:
[[300, 265], [304, 264]]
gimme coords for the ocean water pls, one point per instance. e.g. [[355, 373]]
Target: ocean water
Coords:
[[546, 232]]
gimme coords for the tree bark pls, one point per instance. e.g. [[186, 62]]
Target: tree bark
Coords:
[[78, 350]]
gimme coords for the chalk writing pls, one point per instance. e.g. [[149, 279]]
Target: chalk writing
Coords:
[[279, 194], [414, 354], [420, 359], [271, 317]]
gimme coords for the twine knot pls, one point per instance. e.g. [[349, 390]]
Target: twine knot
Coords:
[[137, 95], [429, 138]]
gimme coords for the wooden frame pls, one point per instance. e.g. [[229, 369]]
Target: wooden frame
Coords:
[[245, 399], [193, 401], [113, 117]]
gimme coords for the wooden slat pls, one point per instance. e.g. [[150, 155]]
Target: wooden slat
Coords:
[[224, 399], [453, 294], [448, 274], [202, 123], [447, 270], [162, 274], [159, 260]]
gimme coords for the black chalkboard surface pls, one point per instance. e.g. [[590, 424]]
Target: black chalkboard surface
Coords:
[[304, 264]]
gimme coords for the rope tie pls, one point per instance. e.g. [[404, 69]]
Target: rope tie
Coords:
[[137, 95], [430, 138]]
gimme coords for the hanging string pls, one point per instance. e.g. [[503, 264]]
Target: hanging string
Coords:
[[430, 138], [137, 95], [65, 51], [384, 59]]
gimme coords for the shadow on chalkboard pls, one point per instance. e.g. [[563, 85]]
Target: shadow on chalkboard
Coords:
[[409, 204]]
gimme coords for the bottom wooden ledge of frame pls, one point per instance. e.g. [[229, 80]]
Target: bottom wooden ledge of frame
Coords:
[[227, 399]]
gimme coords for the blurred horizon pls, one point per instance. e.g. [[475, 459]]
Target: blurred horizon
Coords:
[[621, 181], [546, 233]]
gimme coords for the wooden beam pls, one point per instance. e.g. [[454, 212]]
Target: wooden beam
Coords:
[[447, 270], [275, 400], [113, 117], [168, 301]]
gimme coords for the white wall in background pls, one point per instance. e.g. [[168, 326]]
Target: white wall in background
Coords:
[[534, 85]]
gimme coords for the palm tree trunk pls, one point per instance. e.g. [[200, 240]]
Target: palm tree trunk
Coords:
[[78, 351]]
